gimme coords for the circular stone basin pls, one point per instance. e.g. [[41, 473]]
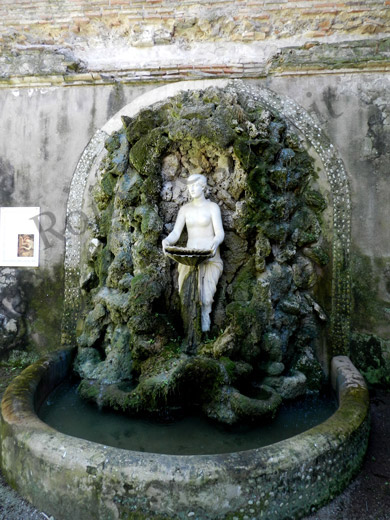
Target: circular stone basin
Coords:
[[73, 478], [187, 256]]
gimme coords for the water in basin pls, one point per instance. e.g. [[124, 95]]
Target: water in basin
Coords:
[[193, 435]]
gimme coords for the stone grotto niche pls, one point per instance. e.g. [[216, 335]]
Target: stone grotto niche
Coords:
[[266, 322]]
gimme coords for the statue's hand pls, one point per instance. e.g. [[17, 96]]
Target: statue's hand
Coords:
[[165, 243]]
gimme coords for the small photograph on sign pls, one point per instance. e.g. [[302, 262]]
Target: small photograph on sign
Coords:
[[25, 246], [19, 236]]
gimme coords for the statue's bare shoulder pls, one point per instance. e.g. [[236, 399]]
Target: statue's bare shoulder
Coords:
[[214, 207]]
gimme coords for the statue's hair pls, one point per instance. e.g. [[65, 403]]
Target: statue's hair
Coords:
[[197, 177]]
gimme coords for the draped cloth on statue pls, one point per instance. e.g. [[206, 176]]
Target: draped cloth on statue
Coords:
[[209, 273]]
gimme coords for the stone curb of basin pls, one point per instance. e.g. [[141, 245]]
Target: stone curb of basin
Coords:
[[73, 478]]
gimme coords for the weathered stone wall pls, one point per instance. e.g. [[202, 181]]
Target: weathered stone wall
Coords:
[[148, 22], [76, 41]]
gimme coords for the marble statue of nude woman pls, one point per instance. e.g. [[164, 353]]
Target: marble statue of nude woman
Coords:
[[202, 219]]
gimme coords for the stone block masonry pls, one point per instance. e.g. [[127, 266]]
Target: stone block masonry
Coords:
[[144, 23]]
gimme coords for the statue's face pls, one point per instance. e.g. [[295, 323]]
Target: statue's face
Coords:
[[195, 189]]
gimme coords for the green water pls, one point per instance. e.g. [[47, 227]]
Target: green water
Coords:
[[193, 435]]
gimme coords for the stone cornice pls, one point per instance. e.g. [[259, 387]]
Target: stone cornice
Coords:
[[53, 66]]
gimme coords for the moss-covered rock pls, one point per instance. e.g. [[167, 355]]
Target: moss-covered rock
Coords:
[[119, 268], [140, 126], [371, 355], [151, 223], [263, 315], [308, 365], [145, 153], [230, 406], [289, 387], [128, 189]]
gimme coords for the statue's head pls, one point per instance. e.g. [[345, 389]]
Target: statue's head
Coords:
[[196, 183], [197, 178]]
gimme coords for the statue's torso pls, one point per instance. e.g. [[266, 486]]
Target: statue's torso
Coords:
[[199, 226]]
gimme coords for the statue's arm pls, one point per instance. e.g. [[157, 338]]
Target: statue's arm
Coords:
[[218, 227], [174, 236]]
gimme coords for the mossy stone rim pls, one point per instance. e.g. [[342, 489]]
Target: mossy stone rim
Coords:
[[73, 478]]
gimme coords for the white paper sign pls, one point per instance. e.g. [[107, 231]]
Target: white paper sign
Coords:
[[19, 237]]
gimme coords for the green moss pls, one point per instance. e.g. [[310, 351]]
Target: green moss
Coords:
[[305, 227], [119, 269], [318, 254], [144, 289], [367, 353], [315, 200], [360, 54], [120, 157], [101, 199], [263, 250], [118, 304], [104, 220], [265, 407], [138, 127], [102, 264], [230, 367], [164, 385], [216, 130], [151, 223], [89, 390], [202, 379], [128, 191], [244, 284], [247, 321], [145, 153], [309, 366], [145, 254], [150, 189], [108, 184], [243, 151], [113, 142]]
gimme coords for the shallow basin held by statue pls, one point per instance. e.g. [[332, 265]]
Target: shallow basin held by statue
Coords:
[[188, 256]]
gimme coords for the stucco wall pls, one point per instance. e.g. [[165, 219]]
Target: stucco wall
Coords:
[[45, 132]]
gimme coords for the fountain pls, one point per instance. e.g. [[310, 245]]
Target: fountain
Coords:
[[156, 339], [242, 324]]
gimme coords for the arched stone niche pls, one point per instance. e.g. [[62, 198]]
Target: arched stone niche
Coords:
[[332, 182]]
